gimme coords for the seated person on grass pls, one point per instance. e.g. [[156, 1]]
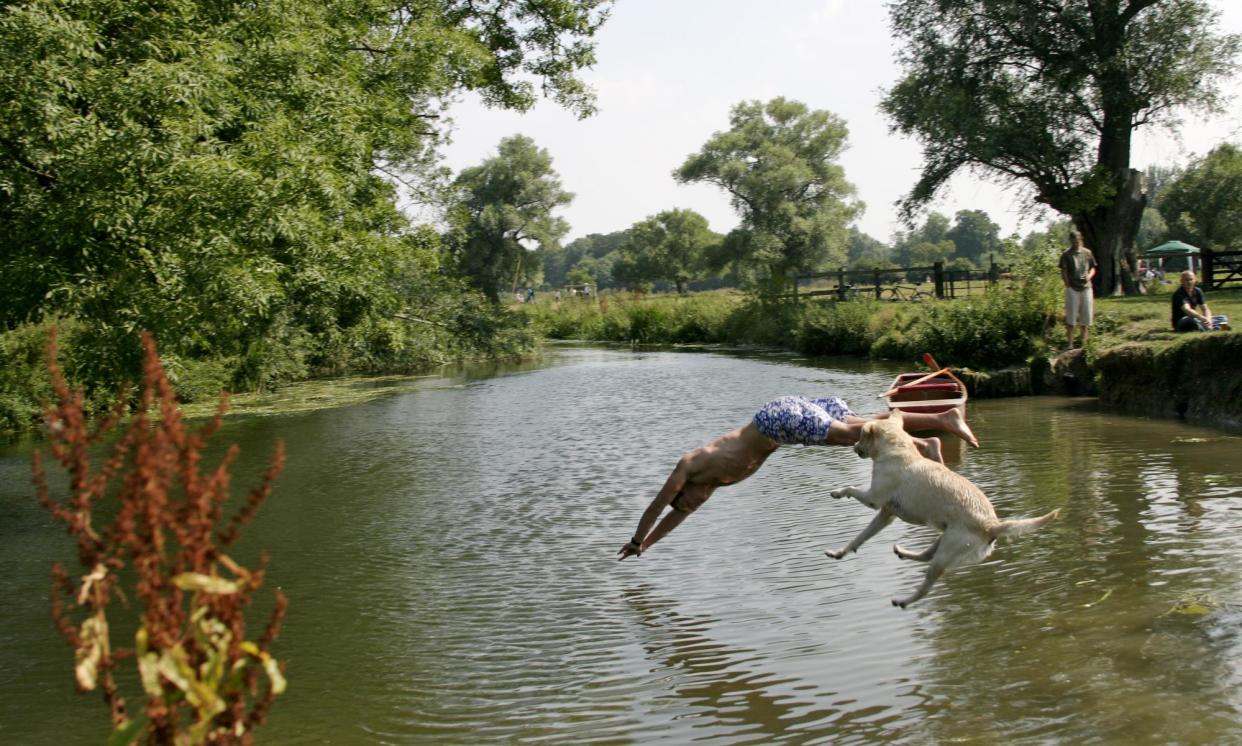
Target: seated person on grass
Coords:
[[1190, 312]]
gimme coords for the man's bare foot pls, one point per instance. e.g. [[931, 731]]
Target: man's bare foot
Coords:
[[955, 422], [930, 448]]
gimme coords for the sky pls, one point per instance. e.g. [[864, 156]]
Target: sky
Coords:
[[669, 71]]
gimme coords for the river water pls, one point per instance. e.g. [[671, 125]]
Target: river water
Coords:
[[448, 554]]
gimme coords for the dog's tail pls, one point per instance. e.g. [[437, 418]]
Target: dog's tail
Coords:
[[1022, 526]]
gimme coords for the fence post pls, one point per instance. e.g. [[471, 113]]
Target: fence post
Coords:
[[841, 283], [1208, 268], [938, 270], [877, 282], [795, 288]]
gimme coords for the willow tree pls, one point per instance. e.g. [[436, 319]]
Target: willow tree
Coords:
[[778, 163], [671, 246], [505, 212], [1048, 94]]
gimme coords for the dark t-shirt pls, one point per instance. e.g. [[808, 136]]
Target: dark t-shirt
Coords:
[[1181, 297], [1076, 265]]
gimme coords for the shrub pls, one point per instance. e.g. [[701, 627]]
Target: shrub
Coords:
[[24, 379], [164, 539], [839, 328], [277, 357], [893, 345], [763, 323], [196, 380], [649, 322]]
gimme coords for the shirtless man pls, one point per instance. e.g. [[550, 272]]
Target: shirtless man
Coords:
[[739, 453]]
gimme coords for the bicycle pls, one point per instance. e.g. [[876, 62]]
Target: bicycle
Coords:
[[905, 293]]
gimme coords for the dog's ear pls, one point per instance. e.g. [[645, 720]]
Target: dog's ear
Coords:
[[865, 435]]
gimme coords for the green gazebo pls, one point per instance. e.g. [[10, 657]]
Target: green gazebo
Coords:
[[1171, 249]]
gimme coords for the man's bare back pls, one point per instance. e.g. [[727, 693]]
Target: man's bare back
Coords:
[[730, 458]]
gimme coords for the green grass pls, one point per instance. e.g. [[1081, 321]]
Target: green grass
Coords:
[[995, 329], [1007, 326], [1010, 326], [1145, 318]]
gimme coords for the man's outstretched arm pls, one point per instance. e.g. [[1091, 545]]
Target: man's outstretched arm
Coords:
[[672, 487]]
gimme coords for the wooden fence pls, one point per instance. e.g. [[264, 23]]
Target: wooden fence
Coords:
[[1221, 269], [899, 283]]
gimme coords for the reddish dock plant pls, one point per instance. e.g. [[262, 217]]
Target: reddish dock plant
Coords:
[[158, 542]]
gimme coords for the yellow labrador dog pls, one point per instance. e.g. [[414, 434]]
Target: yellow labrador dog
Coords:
[[923, 492]]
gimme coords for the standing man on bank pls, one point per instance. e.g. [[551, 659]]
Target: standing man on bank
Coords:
[[1077, 268]]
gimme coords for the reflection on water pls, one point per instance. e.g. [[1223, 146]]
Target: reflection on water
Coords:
[[448, 555]]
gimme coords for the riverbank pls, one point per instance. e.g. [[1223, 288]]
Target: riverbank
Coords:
[[284, 377], [1009, 342], [986, 331], [1137, 365]]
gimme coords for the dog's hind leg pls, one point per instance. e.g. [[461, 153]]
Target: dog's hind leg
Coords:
[[934, 571], [922, 556], [883, 517], [954, 548]]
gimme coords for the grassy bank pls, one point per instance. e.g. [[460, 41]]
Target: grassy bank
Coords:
[[1006, 326], [1144, 319], [1131, 348], [1141, 366]]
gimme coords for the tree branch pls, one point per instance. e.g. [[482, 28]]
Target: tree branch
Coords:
[[1133, 9], [407, 317], [45, 180]]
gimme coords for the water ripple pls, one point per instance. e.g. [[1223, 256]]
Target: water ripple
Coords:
[[449, 557]]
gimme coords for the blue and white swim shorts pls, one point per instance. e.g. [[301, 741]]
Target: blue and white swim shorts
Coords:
[[792, 420]]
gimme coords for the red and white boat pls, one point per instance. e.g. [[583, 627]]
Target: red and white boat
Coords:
[[915, 392], [931, 393]]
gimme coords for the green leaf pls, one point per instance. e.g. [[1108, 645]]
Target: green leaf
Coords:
[[200, 583], [127, 732]]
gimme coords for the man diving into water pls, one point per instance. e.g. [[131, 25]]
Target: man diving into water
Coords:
[[739, 453]]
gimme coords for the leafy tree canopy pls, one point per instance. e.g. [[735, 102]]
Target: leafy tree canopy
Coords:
[[1153, 230], [1055, 233], [557, 261], [218, 173], [974, 235], [862, 250], [934, 230], [1047, 93], [778, 163], [927, 253], [505, 211], [670, 246], [592, 271], [1203, 206]]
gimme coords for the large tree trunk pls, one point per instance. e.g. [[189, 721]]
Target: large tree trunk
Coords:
[[1110, 231]]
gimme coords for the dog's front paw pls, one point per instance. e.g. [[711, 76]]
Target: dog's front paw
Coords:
[[837, 554], [899, 603], [840, 493]]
